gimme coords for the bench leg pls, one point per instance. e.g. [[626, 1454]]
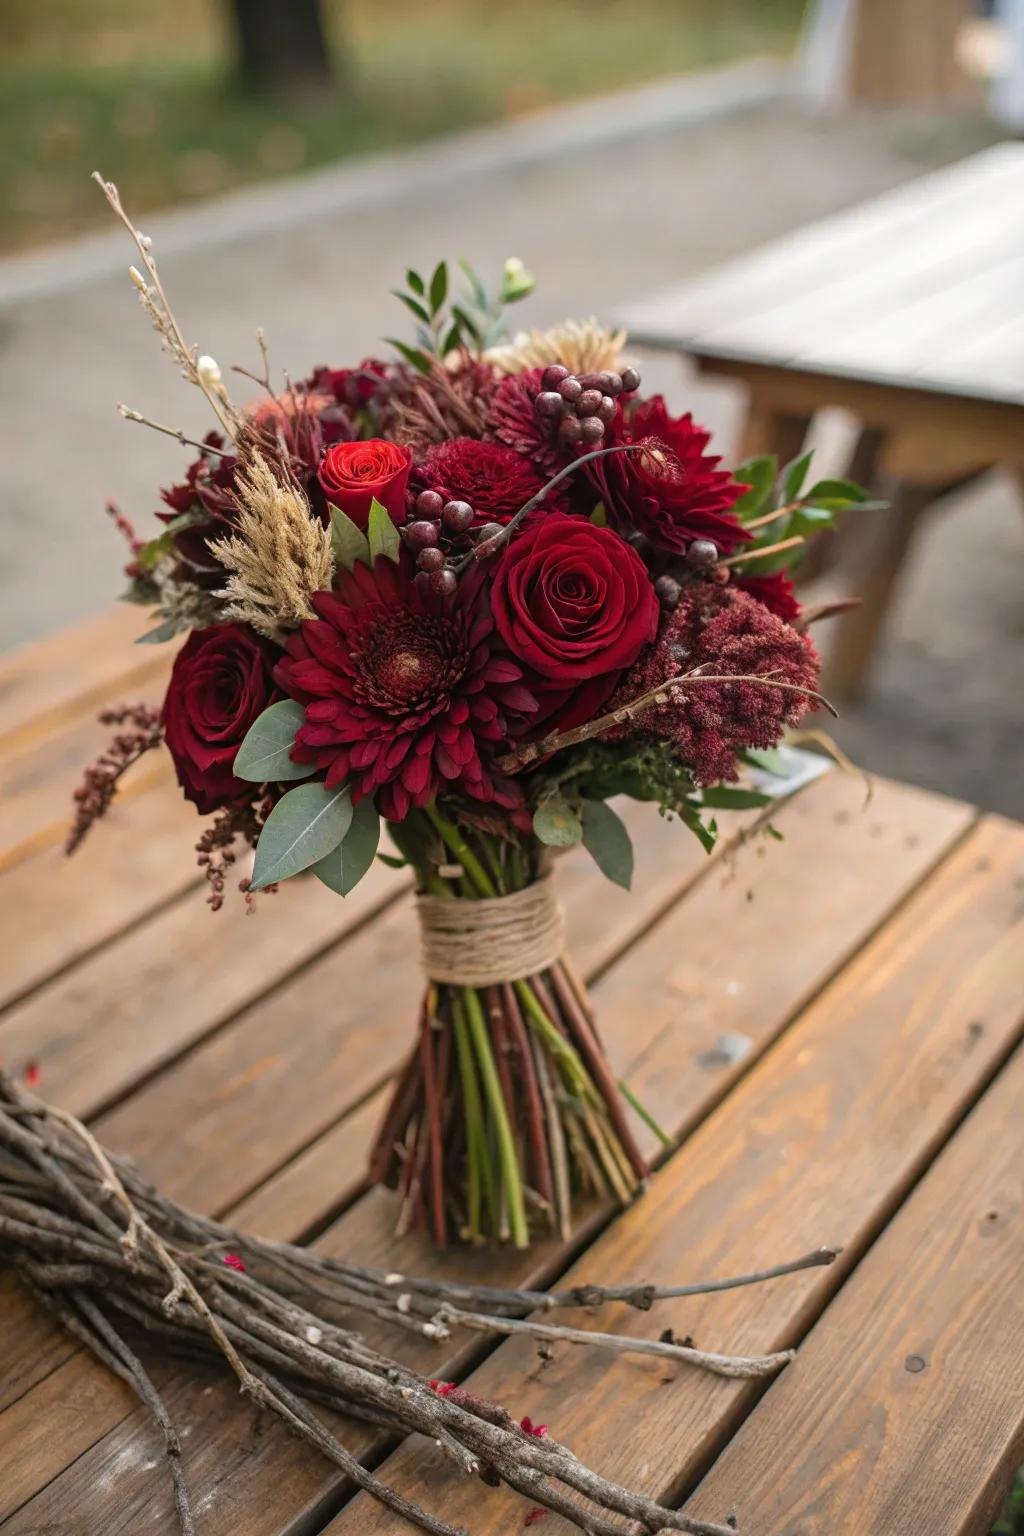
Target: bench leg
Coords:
[[882, 539], [767, 429]]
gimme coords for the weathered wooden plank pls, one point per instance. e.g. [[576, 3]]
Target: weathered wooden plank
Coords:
[[819, 1144], [77, 670], [140, 1001], [31, 1347], [38, 780], [920, 288], [905, 1409], [874, 859], [56, 909]]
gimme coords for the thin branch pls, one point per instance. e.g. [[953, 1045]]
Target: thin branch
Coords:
[[129, 414], [559, 740]]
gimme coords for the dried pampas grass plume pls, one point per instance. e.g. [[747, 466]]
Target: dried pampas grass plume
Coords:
[[278, 556], [583, 346]]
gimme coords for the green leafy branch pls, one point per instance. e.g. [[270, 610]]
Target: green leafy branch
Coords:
[[445, 320], [782, 515]]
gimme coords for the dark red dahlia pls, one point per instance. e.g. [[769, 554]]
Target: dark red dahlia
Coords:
[[775, 591], [513, 420], [669, 489], [494, 479], [404, 696], [722, 630]]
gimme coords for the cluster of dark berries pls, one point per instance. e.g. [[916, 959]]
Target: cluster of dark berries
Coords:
[[439, 529], [701, 559], [579, 406]]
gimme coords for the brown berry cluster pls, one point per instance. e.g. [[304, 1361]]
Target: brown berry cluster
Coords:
[[439, 529], [579, 406], [700, 560]]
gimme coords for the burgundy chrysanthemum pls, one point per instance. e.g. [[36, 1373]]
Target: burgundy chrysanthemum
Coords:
[[513, 420], [403, 694], [722, 630], [494, 479], [669, 488]]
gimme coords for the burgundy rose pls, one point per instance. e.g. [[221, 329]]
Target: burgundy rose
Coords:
[[494, 479], [221, 681], [573, 603], [352, 474], [669, 488]]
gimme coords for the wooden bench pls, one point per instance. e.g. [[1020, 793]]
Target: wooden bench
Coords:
[[909, 313], [829, 1026]]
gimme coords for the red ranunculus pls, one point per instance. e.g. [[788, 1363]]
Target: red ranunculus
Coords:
[[220, 683], [352, 474], [574, 603]]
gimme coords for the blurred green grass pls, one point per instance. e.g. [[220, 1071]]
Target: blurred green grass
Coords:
[[146, 93]]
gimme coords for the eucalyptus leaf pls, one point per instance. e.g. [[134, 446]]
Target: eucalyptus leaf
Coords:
[[705, 832], [770, 759], [303, 828], [556, 823], [381, 533], [724, 797], [393, 860], [165, 631], [607, 841], [346, 865], [348, 540], [265, 755]]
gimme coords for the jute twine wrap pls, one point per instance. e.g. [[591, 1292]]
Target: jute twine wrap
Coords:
[[501, 938]]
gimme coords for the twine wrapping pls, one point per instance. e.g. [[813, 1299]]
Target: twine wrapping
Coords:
[[502, 938]]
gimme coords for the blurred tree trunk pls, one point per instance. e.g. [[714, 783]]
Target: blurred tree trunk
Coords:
[[282, 45]]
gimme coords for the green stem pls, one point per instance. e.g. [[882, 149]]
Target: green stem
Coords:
[[506, 1146], [457, 845], [476, 1140], [645, 1114], [572, 1067]]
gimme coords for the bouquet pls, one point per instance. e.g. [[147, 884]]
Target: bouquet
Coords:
[[474, 591]]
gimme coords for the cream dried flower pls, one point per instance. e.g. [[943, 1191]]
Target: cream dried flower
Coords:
[[278, 555], [583, 346]]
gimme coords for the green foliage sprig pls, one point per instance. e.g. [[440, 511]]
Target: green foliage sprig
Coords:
[[446, 321]]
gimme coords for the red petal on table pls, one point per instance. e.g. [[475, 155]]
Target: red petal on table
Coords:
[[234, 1261], [534, 1516], [32, 1074]]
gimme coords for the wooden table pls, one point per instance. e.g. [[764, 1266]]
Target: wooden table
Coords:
[[829, 1025], [909, 312]]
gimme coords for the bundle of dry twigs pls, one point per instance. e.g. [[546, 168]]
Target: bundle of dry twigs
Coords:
[[110, 1257]]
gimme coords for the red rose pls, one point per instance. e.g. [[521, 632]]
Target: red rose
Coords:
[[352, 474], [575, 605], [220, 683]]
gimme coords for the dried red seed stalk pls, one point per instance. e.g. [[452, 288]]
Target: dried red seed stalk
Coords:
[[101, 779]]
